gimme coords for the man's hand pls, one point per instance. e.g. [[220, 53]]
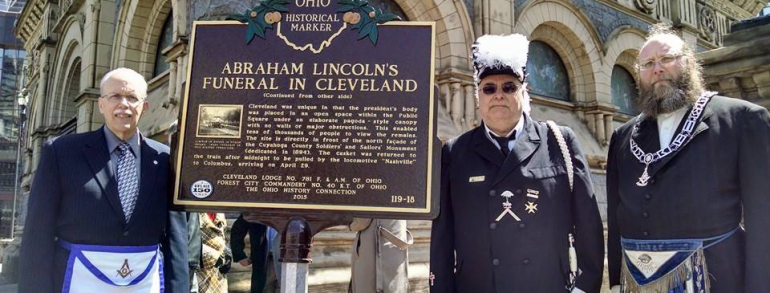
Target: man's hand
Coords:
[[245, 262]]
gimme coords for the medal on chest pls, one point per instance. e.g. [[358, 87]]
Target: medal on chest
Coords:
[[507, 207], [682, 138], [530, 207]]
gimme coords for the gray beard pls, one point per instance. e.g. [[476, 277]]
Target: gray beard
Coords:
[[666, 98]]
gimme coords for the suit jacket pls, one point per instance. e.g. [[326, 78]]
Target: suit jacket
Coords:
[[702, 190], [472, 252], [74, 197], [258, 242]]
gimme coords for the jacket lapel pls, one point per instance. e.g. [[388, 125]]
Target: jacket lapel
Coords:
[[485, 148], [525, 146], [149, 167], [647, 137], [702, 126], [96, 152]]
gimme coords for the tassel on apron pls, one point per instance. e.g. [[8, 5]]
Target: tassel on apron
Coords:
[[666, 266], [124, 269]]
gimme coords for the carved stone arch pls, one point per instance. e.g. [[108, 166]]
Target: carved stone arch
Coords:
[[569, 32], [61, 101], [132, 24], [555, 39], [454, 30], [161, 10], [627, 60], [622, 49], [454, 37]]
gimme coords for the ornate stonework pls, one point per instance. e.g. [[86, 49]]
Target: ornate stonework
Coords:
[[729, 9], [707, 26], [646, 6]]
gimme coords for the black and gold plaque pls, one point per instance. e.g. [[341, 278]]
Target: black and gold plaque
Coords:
[[310, 106]]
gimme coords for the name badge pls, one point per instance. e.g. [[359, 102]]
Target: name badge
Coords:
[[476, 179]]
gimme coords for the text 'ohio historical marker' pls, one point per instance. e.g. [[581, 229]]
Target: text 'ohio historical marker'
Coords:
[[310, 105]]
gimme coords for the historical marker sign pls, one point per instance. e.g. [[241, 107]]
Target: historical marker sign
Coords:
[[310, 106]]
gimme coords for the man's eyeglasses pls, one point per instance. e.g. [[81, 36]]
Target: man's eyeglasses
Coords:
[[118, 98], [663, 61], [508, 88]]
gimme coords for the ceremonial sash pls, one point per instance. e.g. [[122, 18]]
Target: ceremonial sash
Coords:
[[125, 269], [668, 265]]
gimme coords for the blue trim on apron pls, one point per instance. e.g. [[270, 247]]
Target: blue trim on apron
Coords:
[[674, 244], [76, 251], [683, 249]]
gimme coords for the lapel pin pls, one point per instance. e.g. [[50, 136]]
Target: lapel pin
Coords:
[[154, 162], [531, 207], [533, 193], [507, 207], [476, 179]]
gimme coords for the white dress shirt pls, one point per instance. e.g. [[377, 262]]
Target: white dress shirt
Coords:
[[518, 128], [667, 124]]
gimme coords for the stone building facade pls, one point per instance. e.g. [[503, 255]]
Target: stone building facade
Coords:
[[582, 59]]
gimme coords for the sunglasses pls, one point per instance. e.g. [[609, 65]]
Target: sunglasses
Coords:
[[508, 88]]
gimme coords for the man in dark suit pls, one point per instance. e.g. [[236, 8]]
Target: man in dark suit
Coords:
[[508, 206], [257, 258], [681, 177], [98, 215]]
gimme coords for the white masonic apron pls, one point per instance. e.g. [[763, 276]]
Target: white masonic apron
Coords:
[[119, 269]]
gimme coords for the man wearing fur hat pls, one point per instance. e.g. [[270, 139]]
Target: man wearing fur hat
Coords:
[[681, 177], [516, 194]]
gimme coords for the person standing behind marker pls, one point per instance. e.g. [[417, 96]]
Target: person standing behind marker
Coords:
[[215, 255]]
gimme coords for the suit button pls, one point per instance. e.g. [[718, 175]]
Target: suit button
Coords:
[[645, 215], [125, 233], [518, 191], [652, 181], [496, 262], [647, 196], [525, 261], [492, 192], [522, 225], [493, 226], [645, 233]]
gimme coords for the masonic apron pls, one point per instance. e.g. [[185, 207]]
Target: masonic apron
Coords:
[[124, 269], [666, 265]]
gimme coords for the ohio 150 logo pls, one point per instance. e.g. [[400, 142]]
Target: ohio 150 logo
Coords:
[[201, 189]]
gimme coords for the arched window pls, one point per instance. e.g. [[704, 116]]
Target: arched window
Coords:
[[166, 39], [388, 6], [624, 92], [547, 73]]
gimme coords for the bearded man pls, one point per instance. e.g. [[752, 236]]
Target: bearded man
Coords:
[[681, 178]]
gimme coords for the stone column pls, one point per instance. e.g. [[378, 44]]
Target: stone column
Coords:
[[608, 127], [591, 122], [172, 82], [470, 107], [446, 97], [762, 80], [457, 105], [600, 135]]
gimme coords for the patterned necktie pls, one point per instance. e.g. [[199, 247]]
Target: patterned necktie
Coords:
[[128, 186], [503, 142]]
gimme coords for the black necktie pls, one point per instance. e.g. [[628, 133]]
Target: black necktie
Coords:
[[503, 142]]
